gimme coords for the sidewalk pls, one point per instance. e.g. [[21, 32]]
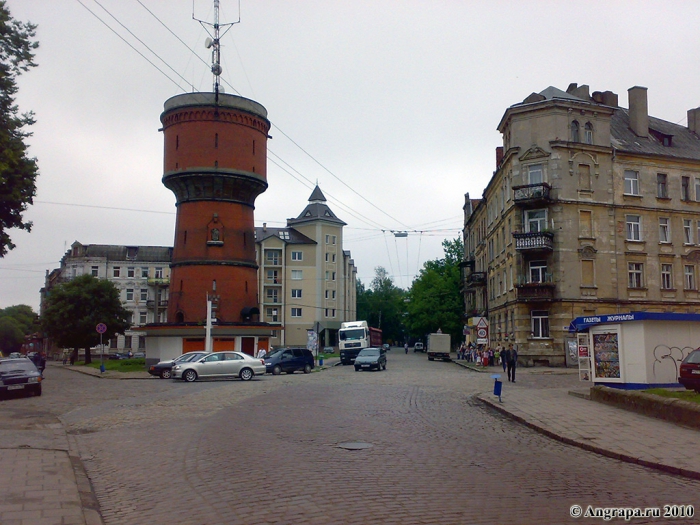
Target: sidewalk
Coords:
[[566, 415]]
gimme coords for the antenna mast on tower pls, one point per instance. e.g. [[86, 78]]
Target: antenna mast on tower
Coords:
[[214, 42]]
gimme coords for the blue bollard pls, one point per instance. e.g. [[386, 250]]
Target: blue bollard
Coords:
[[320, 361], [102, 369]]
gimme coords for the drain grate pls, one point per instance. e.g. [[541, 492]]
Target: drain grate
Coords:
[[355, 445]]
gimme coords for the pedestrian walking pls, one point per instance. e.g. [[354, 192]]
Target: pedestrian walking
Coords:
[[491, 356], [405, 347], [504, 358], [42, 363], [261, 353], [512, 363]]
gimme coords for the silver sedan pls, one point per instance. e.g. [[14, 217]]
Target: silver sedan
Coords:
[[219, 364]]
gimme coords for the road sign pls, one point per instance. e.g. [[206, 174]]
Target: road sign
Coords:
[[101, 328]]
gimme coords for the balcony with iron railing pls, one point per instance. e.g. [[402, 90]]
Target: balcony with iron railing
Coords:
[[475, 279], [542, 290], [532, 194], [151, 303], [158, 281], [534, 241]]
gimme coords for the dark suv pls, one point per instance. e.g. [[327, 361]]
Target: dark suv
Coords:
[[289, 360]]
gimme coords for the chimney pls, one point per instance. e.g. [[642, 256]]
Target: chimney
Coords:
[[499, 154], [264, 226], [694, 120], [639, 110]]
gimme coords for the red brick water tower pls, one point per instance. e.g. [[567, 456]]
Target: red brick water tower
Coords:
[[215, 162]]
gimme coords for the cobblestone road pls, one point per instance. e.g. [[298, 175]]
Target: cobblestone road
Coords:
[[267, 451]]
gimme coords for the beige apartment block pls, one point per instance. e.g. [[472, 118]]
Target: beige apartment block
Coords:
[[306, 281], [593, 209]]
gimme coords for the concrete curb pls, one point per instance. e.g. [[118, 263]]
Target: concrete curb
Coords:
[[88, 498], [692, 474]]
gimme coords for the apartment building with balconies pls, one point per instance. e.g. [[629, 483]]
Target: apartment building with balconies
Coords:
[[140, 273], [306, 281], [593, 209]]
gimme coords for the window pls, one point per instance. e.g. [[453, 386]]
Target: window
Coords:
[[159, 273], [333, 294], [129, 294], [296, 312], [94, 271], [144, 273], [142, 317], [575, 132], [535, 174], [584, 177], [697, 189], [689, 276], [333, 276], [327, 255], [538, 271], [588, 133], [116, 271], [273, 257], [634, 274], [296, 256], [328, 239], [335, 238], [666, 276], [333, 257], [698, 232], [631, 182], [685, 188], [272, 295], [296, 275], [587, 273], [535, 220], [131, 272], [540, 324], [273, 277], [585, 224], [296, 293], [142, 342], [662, 185], [272, 314], [127, 341], [328, 274], [326, 294], [634, 227], [664, 230], [687, 231], [330, 312], [144, 294]]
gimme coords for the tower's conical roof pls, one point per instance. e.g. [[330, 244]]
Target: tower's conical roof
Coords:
[[316, 210]]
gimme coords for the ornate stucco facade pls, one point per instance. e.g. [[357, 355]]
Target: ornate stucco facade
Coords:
[[593, 209]]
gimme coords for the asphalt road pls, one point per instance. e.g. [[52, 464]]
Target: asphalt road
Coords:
[[407, 445]]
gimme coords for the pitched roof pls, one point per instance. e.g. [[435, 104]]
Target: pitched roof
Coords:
[[316, 210], [113, 252], [288, 235], [684, 143]]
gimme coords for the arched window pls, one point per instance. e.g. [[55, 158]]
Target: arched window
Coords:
[[574, 132], [588, 133]]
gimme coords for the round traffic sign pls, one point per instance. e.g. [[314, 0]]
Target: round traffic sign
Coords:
[[481, 332], [101, 328]]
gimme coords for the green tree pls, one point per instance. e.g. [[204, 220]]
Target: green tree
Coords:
[[25, 317], [75, 308], [11, 335], [435, 300], [382, 305], [18, 172]]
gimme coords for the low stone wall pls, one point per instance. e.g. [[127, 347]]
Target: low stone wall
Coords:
[[666, 408]]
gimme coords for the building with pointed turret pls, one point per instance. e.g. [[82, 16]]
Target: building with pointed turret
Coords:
[[306, 281]]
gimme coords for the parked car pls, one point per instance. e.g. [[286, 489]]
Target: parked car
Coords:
[[418, 347], [15, 355], [386, 347], [163, 368], [219, 364], [289, 360], [19, 376], [689, 375], [370, 359], [117, 356], [139, 355]]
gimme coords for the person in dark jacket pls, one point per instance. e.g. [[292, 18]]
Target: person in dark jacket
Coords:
[[512, 362]]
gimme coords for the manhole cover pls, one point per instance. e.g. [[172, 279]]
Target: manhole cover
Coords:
[[355, 445]]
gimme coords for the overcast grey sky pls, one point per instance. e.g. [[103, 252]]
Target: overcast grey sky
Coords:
[[396, 101]]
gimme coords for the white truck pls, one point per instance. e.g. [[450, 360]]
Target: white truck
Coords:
[[439, 347], [353, 336]]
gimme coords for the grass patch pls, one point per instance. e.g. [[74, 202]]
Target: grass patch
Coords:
[[327, 356], [685, 395], [118, 365]]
